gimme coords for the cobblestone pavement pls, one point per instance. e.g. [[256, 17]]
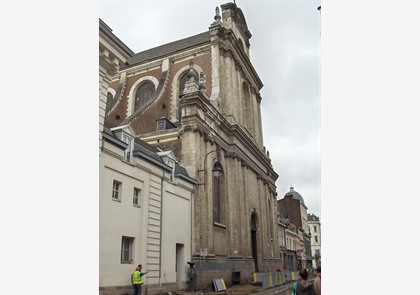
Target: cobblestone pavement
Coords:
[[240, 290], [246, 289]]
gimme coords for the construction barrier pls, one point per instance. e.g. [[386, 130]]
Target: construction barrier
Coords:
[[272, 279]]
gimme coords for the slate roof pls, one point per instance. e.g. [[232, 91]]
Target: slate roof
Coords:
[[313, 217], [142, 147], [295, 195], [167, 49], [148, 153]]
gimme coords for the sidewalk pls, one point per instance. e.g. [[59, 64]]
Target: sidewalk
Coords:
[[247, 289]]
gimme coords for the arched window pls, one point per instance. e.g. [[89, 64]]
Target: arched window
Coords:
[[181, 87], [186, 77], [218, 193], [254, 228], [247, 114], [143, 94], [182, 82]]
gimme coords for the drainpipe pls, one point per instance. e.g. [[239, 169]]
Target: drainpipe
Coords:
[[192, 225], [192, 246], [161, 231]]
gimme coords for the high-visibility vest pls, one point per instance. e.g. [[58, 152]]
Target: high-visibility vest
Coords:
[[137, 278]]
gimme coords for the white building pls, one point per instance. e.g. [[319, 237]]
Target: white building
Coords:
[[145, 215], [315, 226]]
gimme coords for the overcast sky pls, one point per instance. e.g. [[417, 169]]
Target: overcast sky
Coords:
[[370, 124], [285, 52]]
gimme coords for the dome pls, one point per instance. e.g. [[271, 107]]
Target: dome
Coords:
[[295, 195]]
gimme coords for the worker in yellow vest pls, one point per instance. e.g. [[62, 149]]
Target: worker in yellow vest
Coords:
[[137, 280]]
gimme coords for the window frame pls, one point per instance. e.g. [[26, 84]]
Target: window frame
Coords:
[[144, 94], [116, 190], [128, 152], [137, 197], [219, 196], [127, 245]]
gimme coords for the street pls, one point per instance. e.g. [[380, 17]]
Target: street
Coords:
[[247, 289]]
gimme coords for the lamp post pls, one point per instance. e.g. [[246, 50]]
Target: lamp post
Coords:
[[217, 169]]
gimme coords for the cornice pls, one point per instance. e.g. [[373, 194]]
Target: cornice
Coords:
[[173, 58], [246, 71], [228, 47], [211, 132]]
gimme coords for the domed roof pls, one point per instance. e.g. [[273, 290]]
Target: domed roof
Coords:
[[295, 195]]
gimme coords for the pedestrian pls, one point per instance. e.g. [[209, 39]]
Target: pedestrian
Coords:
[[137, 280], [303, 287], [317, 282]]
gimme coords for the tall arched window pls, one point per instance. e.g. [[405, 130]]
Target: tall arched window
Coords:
[[143, 94], [254, 228], [247, 114], [218, 193]]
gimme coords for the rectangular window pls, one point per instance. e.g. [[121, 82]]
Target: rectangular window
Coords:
[[136, 197], [316, 239], [127, 250], [314, 228], [128, 152], [161, 125], [116, 191]]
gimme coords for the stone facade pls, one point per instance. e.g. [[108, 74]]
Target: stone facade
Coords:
[[112, 53], [207, 87]]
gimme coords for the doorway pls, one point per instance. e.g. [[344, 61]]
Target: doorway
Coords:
[[179, 265], [254, 240]]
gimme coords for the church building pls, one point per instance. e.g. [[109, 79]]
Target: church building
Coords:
[[199, 98]]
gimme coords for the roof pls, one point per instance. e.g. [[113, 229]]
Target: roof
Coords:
[[142, 147], [313, 217], [295, 195], [167, 49], [148, 153]]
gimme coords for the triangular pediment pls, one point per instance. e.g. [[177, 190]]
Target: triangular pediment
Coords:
[[124, 128]]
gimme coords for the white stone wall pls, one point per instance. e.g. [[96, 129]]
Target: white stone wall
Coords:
[[116, 219]]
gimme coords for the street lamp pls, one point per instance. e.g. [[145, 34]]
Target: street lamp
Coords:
[[217, 167]]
